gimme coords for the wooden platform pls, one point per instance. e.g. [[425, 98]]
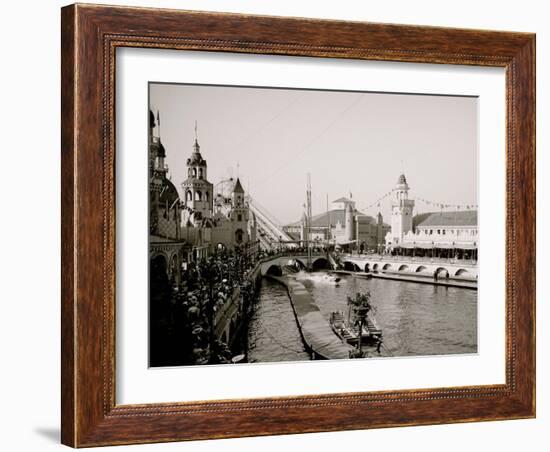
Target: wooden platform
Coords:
[[440, 282], [314, 328]]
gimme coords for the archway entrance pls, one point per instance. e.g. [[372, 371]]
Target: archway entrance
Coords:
[[321, 264], [239, 235]]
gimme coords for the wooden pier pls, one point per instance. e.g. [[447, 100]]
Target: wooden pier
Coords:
[[317, 335], [421, 280]]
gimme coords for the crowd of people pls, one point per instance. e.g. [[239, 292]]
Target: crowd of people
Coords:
[[183, 313]]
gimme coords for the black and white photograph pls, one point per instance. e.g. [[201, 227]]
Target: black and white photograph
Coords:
[[294, 225], [266, 226]]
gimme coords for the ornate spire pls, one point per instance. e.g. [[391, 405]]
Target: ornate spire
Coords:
[[238, 188], [196, 146], [196, 157], [158, 124], [402, 183]]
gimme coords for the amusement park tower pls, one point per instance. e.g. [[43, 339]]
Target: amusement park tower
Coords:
[[402, 210]]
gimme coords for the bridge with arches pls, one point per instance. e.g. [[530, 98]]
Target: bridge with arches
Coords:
[[454, 268], [275, 264]]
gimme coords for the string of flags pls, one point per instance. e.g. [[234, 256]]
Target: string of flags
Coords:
[[377, 202], [441, 205], [434, 204]]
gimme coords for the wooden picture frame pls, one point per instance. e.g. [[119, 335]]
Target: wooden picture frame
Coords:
[[90, 36]]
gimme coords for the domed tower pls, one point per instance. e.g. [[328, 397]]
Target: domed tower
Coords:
[[158, 182], [157, 153], [239, 214], [348, 222], [402, 210], [196, 188]]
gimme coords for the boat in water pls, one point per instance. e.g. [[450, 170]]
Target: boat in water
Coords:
[[370, 334]]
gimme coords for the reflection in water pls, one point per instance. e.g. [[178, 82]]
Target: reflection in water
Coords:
[[273, 334], [417, 319]]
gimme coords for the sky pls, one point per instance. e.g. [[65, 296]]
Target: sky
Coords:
[[354, 143]]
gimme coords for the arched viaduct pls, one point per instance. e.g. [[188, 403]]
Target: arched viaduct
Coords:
[[275, 265], [418, 267]]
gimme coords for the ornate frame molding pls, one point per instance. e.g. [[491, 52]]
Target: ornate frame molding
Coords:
[[90, 37]]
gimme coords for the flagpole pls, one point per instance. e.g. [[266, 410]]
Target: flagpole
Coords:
[[308, 195], [328, 231]]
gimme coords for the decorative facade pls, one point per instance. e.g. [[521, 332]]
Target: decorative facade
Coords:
[[190, 227], [198, 191], [167, 248], [342, 225], [401, 211], [450, 232]]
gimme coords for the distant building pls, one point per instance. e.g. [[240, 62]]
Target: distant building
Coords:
[[198, 191], [342, 225], [441, 233], [401, 211]]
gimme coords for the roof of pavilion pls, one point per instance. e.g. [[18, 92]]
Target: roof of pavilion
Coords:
[[334, 216], [458, 218], [342, 199]]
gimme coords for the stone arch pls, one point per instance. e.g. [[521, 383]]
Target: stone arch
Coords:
[[350, 266], [158, 279], [321, 264], [173, 269], [299, 263], [274, 270], [194, 172], [367, 267], [403, 268], [441, 271], [375, 267], [239, 236], [462, 272], [160, 262], [420, 269], [198, 195], [189, 195], [200, 173], [386, 267]]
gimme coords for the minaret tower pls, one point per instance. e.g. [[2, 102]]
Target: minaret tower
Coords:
[[196, 188], [402, 210], [239, 214]]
